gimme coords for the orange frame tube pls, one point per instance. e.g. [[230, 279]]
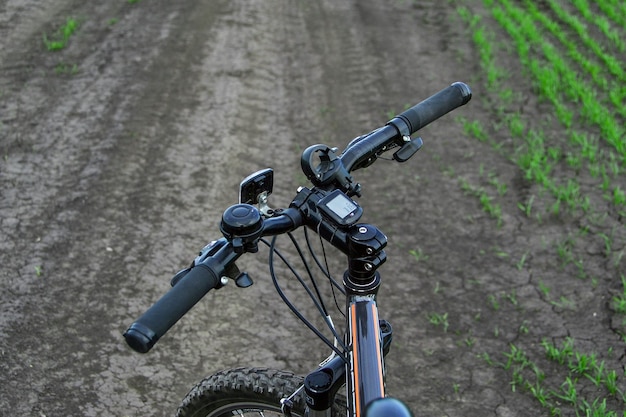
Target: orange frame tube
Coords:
[[366, 381]]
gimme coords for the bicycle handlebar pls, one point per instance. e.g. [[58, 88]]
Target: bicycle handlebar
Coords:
[[204, 276], [194, 285], [405, 124], [206, 273], [436, 106], [163, 314]]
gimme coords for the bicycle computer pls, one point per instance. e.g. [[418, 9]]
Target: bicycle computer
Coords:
[[340, 208]]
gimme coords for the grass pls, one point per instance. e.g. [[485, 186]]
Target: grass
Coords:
[[539, 156], [419, 255], [570, 155], [556, 82], [493, 209], [69, 69], [619, 300], [564, 394], [61, 37], [437, 319]]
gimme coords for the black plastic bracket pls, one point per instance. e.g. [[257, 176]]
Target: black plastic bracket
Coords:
[[408, 149], [322, 384], [329, 171]]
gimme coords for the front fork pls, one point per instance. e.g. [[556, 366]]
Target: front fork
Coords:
[[321, 385]]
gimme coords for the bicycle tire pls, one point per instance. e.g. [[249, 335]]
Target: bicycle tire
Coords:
[[247, 391]]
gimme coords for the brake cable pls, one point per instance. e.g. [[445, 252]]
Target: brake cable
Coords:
[[325, 270], [273, 250]]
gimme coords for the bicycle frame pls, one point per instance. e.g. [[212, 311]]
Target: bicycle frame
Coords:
[[368, 340], [366, 381]]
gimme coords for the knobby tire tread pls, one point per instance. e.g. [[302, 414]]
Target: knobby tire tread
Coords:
[[260, 386]]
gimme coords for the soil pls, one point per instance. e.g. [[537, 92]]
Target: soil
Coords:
[[121, 151]]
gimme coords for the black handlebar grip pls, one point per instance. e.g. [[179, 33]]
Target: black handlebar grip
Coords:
[[436, 106], [155, 322]]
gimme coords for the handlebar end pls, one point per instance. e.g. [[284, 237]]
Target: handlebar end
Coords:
[[140, 338], [466, 91]]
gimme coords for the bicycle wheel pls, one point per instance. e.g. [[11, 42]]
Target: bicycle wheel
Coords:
[[246, 392]]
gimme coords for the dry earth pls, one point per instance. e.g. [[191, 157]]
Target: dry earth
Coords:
[[120, 152]]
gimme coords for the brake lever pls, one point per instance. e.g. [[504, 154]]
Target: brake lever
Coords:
[[410, 147], [232, 271]]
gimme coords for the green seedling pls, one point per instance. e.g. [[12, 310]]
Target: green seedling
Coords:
[[520, 264], [500, 186], [512, 297], [493, 209], [475, 129], [523, 328], [61, 37], [439, 320], [493, 302], [527, 207], [545, 290], [619, 301], [62, 68], [418, 254], [564, 303], [559, 355]]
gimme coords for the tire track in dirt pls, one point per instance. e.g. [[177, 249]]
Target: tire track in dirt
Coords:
[[110, 214], [68, 233], [55, 142], [42, 153]]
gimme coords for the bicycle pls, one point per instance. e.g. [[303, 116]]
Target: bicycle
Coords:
[[357, 357]]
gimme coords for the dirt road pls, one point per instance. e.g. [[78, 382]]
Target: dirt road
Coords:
[[121, 151]]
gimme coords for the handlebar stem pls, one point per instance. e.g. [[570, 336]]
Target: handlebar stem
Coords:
[[362, 243], [365, 255]]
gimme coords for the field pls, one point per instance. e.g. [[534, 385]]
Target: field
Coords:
[[568, 145], [126, 126]]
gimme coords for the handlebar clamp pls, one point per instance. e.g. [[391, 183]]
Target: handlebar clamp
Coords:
[[330, 170]]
